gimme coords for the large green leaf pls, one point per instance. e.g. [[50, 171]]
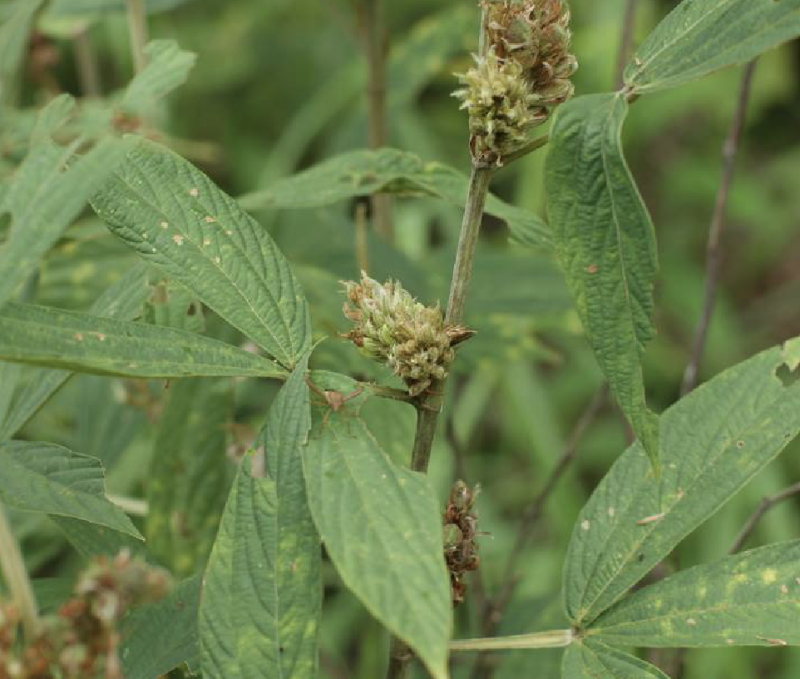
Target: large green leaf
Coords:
[[606, 244], [262, 591], [701, 36], [750, 599], [176, 217], [189, 474], [122, 300], [713, 442], [167, 68], [46, 195], [75, 341], [361, 173], [161, 636], [91, 540], [592, 659], [382, 529], [43, 477]]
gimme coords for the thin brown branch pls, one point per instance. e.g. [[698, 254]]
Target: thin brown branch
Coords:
[[374, 39], [766, 505], [625, 42], [716, 231], [493, 612]]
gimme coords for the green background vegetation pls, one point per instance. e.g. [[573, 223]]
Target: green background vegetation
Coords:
[[279, 86]]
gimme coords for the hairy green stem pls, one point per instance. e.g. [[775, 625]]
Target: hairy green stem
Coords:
[[86, 62], [554, 639], [16, 577], [429, 406], [137, 25]]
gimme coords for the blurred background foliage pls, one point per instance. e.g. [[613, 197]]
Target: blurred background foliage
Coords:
[[279, 86]]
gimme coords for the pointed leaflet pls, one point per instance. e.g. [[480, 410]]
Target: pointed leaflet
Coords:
[[382, 529], [606, 244], [189, 475], [713, 442], [122, 300], [362, 173], [591, 659], [75, 341], [750, 599], [50, 189], [178, 219], [43, 477], [262, 592], [701, 36], [167, 68]]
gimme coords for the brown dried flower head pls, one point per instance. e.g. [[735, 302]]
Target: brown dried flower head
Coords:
[[523, 76], [390, 326], [460, 533]]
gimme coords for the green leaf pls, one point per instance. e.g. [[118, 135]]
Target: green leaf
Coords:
[[167, 69], [13, 42], [591, 659], [61, 8], [177, 218], [362, 173], [702, 36], [122, 300], [189, 475], [382, 529], [713, 442], [91, 540], [43, 477], [262, 592], [76, 341], [158, 637], [750, 599], [44, 198], [606, 244]]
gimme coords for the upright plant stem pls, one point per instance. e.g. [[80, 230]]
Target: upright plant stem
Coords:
[[428, 412], [713, 249], [16, 577], [86, 61], [430, 405], [625, 41], [372, 25], [137, 25]]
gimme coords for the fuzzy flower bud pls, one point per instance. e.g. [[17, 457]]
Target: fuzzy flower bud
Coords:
[[391, 327], [523, 76]]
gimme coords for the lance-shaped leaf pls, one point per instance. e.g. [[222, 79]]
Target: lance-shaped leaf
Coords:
[[167, 68], [262, 592], [382, 529], [158, 637], [606, 244], [123, 300], [177, 218], [750, 599], [75, 341], [47, 194], [361, 173], [43, 477], [591, 659], [713, 442], [702, 36]]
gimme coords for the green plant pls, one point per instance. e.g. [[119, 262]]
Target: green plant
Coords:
[[214, 297]]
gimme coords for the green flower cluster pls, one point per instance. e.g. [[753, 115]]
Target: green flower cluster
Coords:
[[523, 76], [390, 326]]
